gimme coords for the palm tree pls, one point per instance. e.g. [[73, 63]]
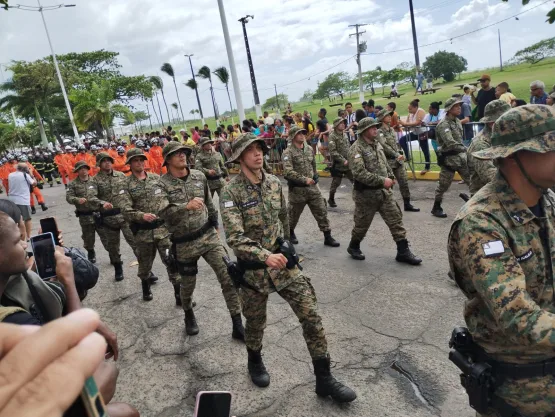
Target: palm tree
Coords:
[[159, 84], [168, 69], [223, 75], [193, 85], [193, 112], [175, 106], [204, 72]]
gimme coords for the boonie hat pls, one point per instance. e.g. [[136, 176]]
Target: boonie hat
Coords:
[[134, 153], [173, 147], [294, 131], [452, 102], [383, 113], [79, 165], [494, 109], [204, 140], [243, 142], [366, 124], [102, 155], [337, 121]]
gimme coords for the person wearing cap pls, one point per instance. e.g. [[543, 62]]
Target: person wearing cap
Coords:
[[191, 217], [119, 161], [395, 157], [339, 153], [79, 193], [372, 192], [500, 251], [451, 154], [254, 214], [155, 153], [485, 95], [483, 171], [299, 169], [139, 197], [211, 164]]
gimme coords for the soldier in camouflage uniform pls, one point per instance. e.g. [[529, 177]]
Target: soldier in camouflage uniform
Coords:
[[186, 207], [451, 153], [211, 164], [301, 175], [254, 214], [338, 148], [395, 158], [139, 197], [501, 255], [372, 192], [79, 193], [483, 171]]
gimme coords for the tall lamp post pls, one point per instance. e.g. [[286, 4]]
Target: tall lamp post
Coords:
[[196, 89], [244, 21], [40, 9]]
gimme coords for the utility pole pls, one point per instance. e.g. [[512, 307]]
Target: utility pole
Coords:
[[361, 47], [277, 101], [231, 59], [244, 21], [3, 81], [500, 56], [196, 89], [414, 40]]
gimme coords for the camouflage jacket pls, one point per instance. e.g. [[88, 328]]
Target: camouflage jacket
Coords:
[[299, 164], [254, 216], [338, 148], [138, 197], [176, 194], [388, 139], [82, 189], [449, 134], [482, 171], [498, 259], [369, 164], [206, 161]]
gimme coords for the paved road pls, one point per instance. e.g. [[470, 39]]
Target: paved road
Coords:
[[388, 325]]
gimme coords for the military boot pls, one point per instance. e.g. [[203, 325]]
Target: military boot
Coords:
[[405, 255], [437, 210], [292, 237], [331, 200], [33, 210], [147, 294], [257, 370], [326, 384], [191, 327], [176, 293], [354, 250], [238, 329], [43, 207], [65, 185], [118, 267], [409, 206], [153, 278], [91, 255], [330, 241]]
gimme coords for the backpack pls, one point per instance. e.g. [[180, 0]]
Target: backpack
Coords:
[[85, 272]]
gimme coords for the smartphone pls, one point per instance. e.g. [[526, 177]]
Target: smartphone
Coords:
[[89, 403], [43, 251], [213, 404], [49, 225]]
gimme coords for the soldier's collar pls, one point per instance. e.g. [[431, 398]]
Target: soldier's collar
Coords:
[[516, 209]]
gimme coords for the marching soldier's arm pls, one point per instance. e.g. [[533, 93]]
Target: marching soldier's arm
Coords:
[[243, 247], [387, 149], [314, 170], [124, 201], [360, 173], [284, 216], [444, 132], [334, 153], [199, 166], [71, 198], [289, 172], [225, 172], [92, 197], [212, 211], [498, 278], [485, 169], [167, 210]]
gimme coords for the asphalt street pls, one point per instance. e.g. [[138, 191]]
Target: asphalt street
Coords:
[[388, 324]]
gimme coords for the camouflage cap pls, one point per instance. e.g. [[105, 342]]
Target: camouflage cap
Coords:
[[366, 124], [102, 155], [79, 165], [525, 128], [494, 109], [383, 113], [338, 121], [243, 142], [134, 153], [552, 95], [203, 141], [452, 102], [173, 147], [294, 131]]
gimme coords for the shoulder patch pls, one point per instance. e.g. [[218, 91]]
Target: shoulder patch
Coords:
[[357, 156], [495, 247], [285, 158], [249, 204], [525, 257], [228, 204], [157, 191], [121, 192], [91, 186]]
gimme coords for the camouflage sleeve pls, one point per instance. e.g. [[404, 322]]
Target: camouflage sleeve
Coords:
[[92, 196], [167, 210], [124, 201], [243, 247], [485, 169], [445, 136], [387, 149], [225, 172], [284, 216], [212, 212], [71, 198], [289, 172], [198, 166], [360, 173], [500, 281], [334, 153]]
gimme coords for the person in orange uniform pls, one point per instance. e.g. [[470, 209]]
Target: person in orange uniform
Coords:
[[93, 151], [71, 159], [4, 173], [119, 162], [124, 144], [156, 155], [149, 163], [60, 161], [112, 151], [36, 191]]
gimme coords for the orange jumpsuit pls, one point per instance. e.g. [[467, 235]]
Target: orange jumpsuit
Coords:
[[60, 161], [70, 164], [156, 155], [91, 161], [113, 153], [119, 164], [36, 191], [4, 176]]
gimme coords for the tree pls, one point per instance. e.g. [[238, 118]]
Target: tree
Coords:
[[444, 64], [536, 52], [352, 85], [369, 78], [308, 95], [223, 76], [193, 85], [334, 83], [550, 15], [168, 69], [158, 85], [271, 103], [384, 79], [204, 73]]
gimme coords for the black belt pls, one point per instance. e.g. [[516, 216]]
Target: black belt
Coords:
[[452, 152], [83, 213], [148, 225], [189, 237], [359, 186], [213, 177], [112, 212], [522, 370], [250, 265]]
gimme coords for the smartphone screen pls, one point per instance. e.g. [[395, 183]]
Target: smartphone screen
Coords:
[[43, 251], [49, 225], [213, 404]]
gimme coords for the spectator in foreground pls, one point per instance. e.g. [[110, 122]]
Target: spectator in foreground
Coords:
[[368, 107], [20, 183], [537, 91], [485, 95], [11, 209]]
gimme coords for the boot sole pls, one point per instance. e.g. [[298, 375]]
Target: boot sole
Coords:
[[332, 245], [192, 332], [262, 384], [356, 257], [148, 298], [338, 400], [408, 262]]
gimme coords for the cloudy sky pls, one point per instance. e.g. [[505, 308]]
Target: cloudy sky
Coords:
[[290, 40]]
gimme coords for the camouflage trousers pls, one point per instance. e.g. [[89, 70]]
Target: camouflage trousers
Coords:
[[188, 279], [453, 163], [215, 190], [401, 176], [302, 298], [109, 234], [87, 234], [337, 178], [299, 197], [367, 203], [146, 253]]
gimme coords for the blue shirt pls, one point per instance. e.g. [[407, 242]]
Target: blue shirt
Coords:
[[539, 100], [256, 131]]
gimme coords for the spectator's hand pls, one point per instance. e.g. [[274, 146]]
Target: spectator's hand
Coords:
[[388, 183], [401, 158], [149, 217], [276, 261], [310, 181], [52, 363], [64, 268], [195, 204], [108, 206], [346, 162], [82, 200], [111, 339], [211, 172]]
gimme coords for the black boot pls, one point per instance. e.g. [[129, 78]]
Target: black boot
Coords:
[[464, 196], [51, 184], [33, 210], [191, 327], [354, 250], [147, 294], [292, 237], [43, 207], [326, 384], [405, 255], [176, 293], [330, 241], [437, 210], [91, 255], [331, 200], [118, 267], [238, 329], [153, 278], [257, 370], [409, 206], [65, 185]]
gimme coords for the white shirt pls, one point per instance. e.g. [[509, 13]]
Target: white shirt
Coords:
[[19, 188]]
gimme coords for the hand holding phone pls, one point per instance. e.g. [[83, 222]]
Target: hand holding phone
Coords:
[[43, 252], [213, 404], [49, 225]]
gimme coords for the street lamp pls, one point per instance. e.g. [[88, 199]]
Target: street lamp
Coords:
[[244, 21], [40, 9], [196, 89]]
